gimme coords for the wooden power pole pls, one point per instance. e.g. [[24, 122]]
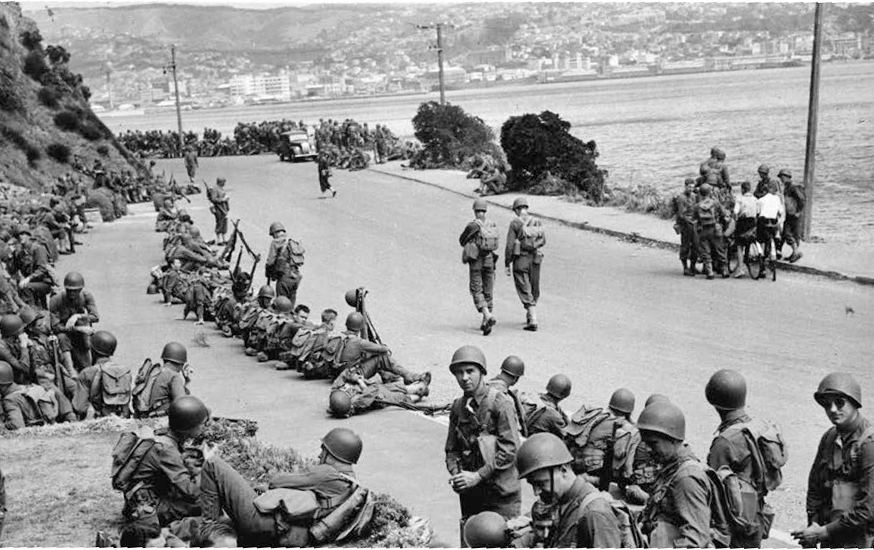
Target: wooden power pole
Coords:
[[812, 120], [439, 27], [172, 68]]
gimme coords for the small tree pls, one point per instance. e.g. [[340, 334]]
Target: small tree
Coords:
[[59, 152], [31, 40], [57, 55], [449, 136]]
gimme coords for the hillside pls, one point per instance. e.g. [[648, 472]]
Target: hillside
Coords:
[[46, 124]]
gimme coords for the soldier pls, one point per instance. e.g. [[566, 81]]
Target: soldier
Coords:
[[480, 240], [765, 182], [220, 208], [365, 358], [110, 390], [794, 201], [481, 442], [710, 216], [678, 513], [170, 382], [548, 416], [191, 163], [258, 520], [735, 446], [356, 398], [581, 516], [684, 205], [252, 310], [31, 263], [324, 174], [840, 488], [24, 405], [525, 238], [73, 311], [512, 369], [284, 261], [716, 165]]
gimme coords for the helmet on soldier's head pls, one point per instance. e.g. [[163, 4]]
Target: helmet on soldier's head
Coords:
[[559, 386], [11, 325], [622, 400], [7, 376], [343, 444], [339, 403], [705, 189], [714, 151], [281, 304], [480, 205], [486, 530], [726, 390], [103, 343], [221, 182], [187, 412], [152, 289], [703, 170], [785, 172], [841, 384], [664, 418], [720, 154], [520, 202], [764, 169], [656, 398], [266, 291], [468, 355], [541, 450], [28, 315], [274, 227], [354, 321], [175, 352], [74, 281], [689, 181], [513, 366], [352, 297]]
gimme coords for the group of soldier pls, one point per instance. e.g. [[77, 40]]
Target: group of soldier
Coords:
[[715, 225], [491, 173]]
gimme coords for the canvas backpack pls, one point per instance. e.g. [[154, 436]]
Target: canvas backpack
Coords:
[[144, 386], [487, 239], [129, 452], [43, 401], [707, 212], [589, 438], [630, 535], [293, 252], [115, 383], [532, 231], [768, 451]]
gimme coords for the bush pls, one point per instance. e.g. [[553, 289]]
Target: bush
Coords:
[[49, 96], [67, 120], [57, 55], [450, 136], [35, 65], [89, 132], [59, 152], [14, 137], [33, 154], [31, 40], [9, 99], [103, 150], [546, 159]]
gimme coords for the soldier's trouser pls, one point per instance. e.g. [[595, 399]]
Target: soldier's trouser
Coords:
[[387, 364], [80, 348], [221, 222], [35, 294], [527, 283], [484, 498], [712, 247], [482, 282], [792, 231], [223, 489], [287, 286], [225, 314], [688, 243]]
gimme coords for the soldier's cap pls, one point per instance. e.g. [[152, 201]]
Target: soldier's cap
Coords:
[[689, 181], [785, 172]]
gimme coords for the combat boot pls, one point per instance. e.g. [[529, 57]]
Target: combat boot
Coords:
[[532, 320], [686, 271], [725, 272], [251, 352], [708, 270], [262, 357], [420, 389]]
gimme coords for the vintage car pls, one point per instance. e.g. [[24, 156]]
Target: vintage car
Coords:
[[295, 146]]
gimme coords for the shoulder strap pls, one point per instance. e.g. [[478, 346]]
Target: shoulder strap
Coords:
[[590, 498]]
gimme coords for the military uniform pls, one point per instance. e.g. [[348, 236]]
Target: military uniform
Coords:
[[547, 417], [685, 206], [710, 235], [169, 385], [525, 256], [31, 261], [21, 411], [481, 269], [62, 307], [370, 358], [502, 386], [281, 267]]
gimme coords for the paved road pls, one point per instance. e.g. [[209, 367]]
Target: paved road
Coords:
[[612, 314]]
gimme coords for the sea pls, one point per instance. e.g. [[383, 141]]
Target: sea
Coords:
[[653, 131]]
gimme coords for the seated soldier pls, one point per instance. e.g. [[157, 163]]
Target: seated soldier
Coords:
[[227, 305], [268, 320], [250, 313], [279, 336], [548, 416], [164, 384], [25, 405], [110, 388], [493, 183]]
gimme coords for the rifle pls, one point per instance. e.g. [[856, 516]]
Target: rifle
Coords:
[[370, 329], [174, 189]]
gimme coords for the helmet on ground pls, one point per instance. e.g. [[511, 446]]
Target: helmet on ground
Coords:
[[656, 398], [339, 403], [468, 355], [839, 383], [520, 202], [176, 352], [282, 304], [705, 189], [74, 281], [541, 450], [486, 530], [187, 412], [354, 321], [11, 325], [103, 343], [784, 172], [559, 386], [480, 204], [513, 366], [152, 289], [764, 169], [352, 297], [726, 390], [7, 376], [266, 291], [343, 444], [664, 418], [622, 400], [274, 227]]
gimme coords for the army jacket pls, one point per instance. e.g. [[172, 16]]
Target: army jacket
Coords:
[[594, 526]]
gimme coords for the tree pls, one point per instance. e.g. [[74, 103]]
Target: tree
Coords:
[[449, 136]]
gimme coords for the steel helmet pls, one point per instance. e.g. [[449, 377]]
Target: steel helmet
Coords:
[[837, 383], [559, 386], [221, 181], [175, 352], [520, 202], [720, 154], [664, 418], [486, 530], [352, 297], [726, 390], [541, 450], [74, 281], [705, 189], [480, 204], [275, 227], [764, 169], [187, 412], [343, 444], [656, 398], [622, 400], [11, 325], [339, 403], [468, 355], [513, 366], [281, 304], [28, 315], [354, 321], [785, 172], [266, 291], [7, 376], [103, 343], [152, 289]]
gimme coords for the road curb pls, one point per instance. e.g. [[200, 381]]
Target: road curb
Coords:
[[634, 237]]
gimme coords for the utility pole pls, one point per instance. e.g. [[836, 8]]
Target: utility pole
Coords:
[[109, 86], [439, 27], [172, 67], [812, 119]]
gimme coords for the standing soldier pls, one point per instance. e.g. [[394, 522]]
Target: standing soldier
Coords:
[[479, 241], [284, 261], [73, 311], [793, 201], [220, 208], [481, 442], [548, 416], [191, 163], [710, 217], [525, 238], [324, 173], [840, 489], [684, 204]]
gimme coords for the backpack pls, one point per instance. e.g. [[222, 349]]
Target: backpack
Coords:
[[768, 450], [707, 212], [115, 383], [293, 251], [487, 238], [587, 443], [630, 535], [127, 455], [43, 401], [144, 386], [531, 233], [728, 506]]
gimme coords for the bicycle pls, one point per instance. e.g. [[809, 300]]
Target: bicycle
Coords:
[[769, 255]]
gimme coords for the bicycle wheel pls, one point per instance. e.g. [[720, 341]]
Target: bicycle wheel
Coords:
[[773, 267], [753, 261], [733, 258]]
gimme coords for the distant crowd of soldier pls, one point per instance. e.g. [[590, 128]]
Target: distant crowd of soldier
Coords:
[[715, 225], [491, 173]]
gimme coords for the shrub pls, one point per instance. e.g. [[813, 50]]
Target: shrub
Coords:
[[35, 65], [449, 136], [31, 40], [103, 150], [86, 92], [89, 132], [14, 137], [49, 96], [33, 154], [67, 120], [546, 159], [57, 55], [9, 99], [59, 152]]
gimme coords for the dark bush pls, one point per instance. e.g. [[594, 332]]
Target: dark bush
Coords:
[[103, 150], [35, 65], [33, 154], [49, 96], [59, 152], [31, 40], [546, 159], [9, 99], [57, 55], [89, 132], [86, 92], [67, 120], [449, 136], [14, 137]]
